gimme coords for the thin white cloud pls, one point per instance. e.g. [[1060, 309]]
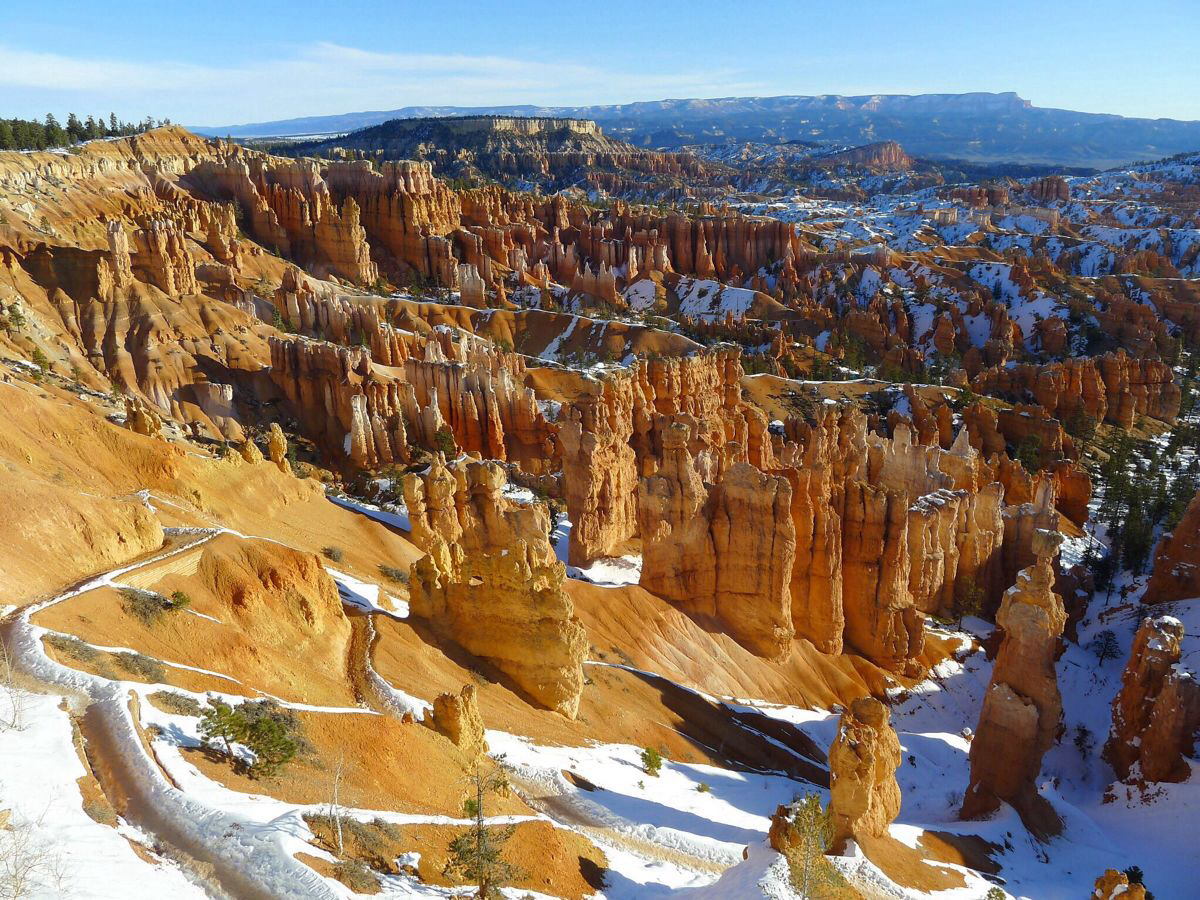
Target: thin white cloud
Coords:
[[326, 78]]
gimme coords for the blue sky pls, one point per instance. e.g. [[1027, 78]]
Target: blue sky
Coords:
[[233, 62]]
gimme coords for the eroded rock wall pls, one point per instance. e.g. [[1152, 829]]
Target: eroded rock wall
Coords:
[[491, 583]]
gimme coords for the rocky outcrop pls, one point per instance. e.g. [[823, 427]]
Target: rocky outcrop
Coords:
[[1157, 711], [864, 795], [281, 597], [248, 450], [1114, 885], [457, 717], [816, 588], [277, 448], [1022, 708], [724, 551], [290, 206], [614, 431], [1113, 388], [881, 622], [954, 546], [490, 581], [371, 413], [883, 156], [1050, 189], [163, 255], [599, 469], [141, 418], [1176, 573]]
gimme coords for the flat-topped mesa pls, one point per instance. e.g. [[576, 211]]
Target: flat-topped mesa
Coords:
[[1156, 713], [1176, 573], [1022, 707], [490, 581], [723, 552], [864, 795]]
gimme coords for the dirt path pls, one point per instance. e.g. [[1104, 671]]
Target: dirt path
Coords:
[[223, 871], [561, 809], [134, 803]]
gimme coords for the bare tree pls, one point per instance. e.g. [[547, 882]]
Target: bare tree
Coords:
[[335, 805], [28, 862], [12, 706]]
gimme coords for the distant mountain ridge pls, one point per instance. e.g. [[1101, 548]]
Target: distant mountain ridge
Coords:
[[978, 127]]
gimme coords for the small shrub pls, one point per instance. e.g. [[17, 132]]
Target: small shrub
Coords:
[[38, 358], [178, 704], [73, 647], [995, 893], [271, 732], [148, 607], [272, 745], [356, 875], [703, 788], [652, 761], [443, 442], [1105, 645], [333, 553], [142, 666], [392, 573]]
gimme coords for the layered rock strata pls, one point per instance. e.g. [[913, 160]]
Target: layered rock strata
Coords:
[[721, 551]]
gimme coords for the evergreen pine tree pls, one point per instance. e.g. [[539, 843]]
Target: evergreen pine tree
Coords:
[[74, 128], [476, 855], [222, 720]]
